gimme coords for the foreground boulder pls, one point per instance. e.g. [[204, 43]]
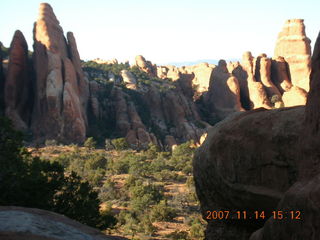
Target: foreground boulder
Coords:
[[246, 164], [303, 196], [17, 223]]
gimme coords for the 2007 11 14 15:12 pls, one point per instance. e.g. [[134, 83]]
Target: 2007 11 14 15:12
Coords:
[[252, 215]]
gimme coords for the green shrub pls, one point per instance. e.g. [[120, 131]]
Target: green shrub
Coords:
[[120, 143], [90, 143], [178, 235], [144, 195], [197, 229], [161, 212], [108, 191]]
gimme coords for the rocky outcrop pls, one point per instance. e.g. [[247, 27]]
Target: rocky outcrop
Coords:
[[280, 74], [264, 161], [303, 197], [129, 79], [223, 95], [294, 97], [263, 72], [294, 46], [18, 85], [146, 66], [246, 163], [256, 91], [128, 121], [61, 92], [167, 101], [17, 223]]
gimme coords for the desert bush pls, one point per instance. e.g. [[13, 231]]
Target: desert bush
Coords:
[[108, 191], [144, 195], [178, 235], [120, 144], [197, 229], [162, 212], [90, 143]]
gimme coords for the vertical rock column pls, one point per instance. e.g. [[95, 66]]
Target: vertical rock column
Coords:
[[61, 91], [18, 87], [294, 46]]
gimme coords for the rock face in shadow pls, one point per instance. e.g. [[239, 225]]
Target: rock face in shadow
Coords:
[[245, 164], [294, 46], [61, 92], [1, 84], [18, 85], [17, 223], [264, 161], [303, 197]]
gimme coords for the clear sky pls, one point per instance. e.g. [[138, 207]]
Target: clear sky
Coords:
[[165, 30]]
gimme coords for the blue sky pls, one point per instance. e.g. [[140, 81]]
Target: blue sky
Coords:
[[165, 30]]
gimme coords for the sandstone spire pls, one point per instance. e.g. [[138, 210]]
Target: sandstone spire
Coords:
[[294, 46], [18, 87], [61, 90]]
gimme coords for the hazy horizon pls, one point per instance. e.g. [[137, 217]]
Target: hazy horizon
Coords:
[[164, 31]]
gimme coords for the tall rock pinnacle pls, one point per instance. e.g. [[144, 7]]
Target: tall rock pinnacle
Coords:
[[61, 89], [18, 87], [294, 46]]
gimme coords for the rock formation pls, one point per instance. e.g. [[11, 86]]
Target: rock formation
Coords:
[[146, 66], [264, 161], [263, 71], [18, 86], [244, 154], [17, 223], [256, 90], [223, 95], [129, 79], [59, 101], [1, 84], [294, 46], [303, 196], [61, 91], [280, 74]]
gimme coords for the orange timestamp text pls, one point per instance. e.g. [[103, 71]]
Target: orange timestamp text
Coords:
[[252, 215]]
